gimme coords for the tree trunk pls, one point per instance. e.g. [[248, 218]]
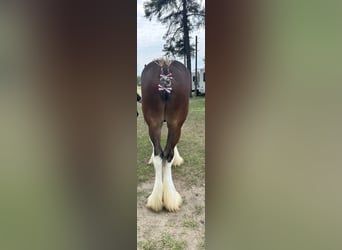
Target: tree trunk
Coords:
[[187, 41], [196, 75]]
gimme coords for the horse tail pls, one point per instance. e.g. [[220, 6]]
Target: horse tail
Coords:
[[164, 96], [165, 82]]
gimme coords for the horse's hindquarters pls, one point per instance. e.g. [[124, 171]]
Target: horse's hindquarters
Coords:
[[165, 97]]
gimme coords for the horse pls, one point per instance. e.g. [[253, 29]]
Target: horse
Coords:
[[165, 89]]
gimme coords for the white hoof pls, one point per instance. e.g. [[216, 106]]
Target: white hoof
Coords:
[[177, 160], [155, 202], [172, 200]]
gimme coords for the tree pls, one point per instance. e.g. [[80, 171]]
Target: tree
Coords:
[[181, 17], [176, 47]]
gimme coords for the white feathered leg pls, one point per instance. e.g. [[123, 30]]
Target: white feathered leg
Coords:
[[155, 200], [177, 160], [172, 199]]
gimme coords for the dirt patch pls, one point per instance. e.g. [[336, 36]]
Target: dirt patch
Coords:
[[165, 230]]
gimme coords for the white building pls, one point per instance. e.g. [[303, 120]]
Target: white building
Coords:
[[200, 79]]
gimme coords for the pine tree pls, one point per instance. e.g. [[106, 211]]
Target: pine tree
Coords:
[[181, 17]]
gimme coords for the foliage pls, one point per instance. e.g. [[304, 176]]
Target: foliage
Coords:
[[181, 18], [138, 80]]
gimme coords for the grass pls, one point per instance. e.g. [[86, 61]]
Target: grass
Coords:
[[191, 145], [189, 222], [147, 245], [199, 210], [201, 246], [166, 242]]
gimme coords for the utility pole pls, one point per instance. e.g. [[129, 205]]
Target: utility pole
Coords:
[[196, 80]]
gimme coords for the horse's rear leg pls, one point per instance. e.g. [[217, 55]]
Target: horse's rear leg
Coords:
[[155, 200], [177, 159], [150, 161], [171, 198]]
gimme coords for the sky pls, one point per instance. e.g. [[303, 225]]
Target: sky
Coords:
[[150, 40]]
